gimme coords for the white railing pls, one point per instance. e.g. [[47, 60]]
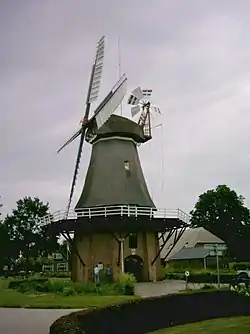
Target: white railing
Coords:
[[117, 210]]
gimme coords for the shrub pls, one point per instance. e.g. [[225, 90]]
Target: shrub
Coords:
[[125, 283], [69, 291], [207, 287], [241, 289], [56, 274], [67, 287], [126, 278], [16, 283], [240, 265]]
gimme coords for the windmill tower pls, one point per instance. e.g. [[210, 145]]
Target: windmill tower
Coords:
[[115, 221]]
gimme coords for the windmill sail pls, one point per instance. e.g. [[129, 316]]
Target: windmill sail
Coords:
[[94, 85], [93, 91], [135, 110], [78, 159], [135, 96], [133, 100], [70, 140], [137, 92], [156, 110], [104, 110], [96, 74], [116, 97]]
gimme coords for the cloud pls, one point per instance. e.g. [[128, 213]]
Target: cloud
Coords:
[[194, 55]]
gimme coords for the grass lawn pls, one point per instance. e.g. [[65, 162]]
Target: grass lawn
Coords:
[[237, 325], [12, 298]]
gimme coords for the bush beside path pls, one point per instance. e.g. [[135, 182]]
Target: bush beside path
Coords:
[[57, 294]]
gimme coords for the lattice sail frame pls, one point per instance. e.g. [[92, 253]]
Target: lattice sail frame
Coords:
[[97, 72]]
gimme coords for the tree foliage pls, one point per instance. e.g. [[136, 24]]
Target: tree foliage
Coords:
[[25, 231], [1, 205], [222, 212], [7, 248]]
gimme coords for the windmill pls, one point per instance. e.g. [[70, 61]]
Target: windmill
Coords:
[[115, 220], [141, 102], [89, 125]]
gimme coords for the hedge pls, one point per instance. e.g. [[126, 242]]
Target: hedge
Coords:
[[202, 277], [240, 265], [150, 314]]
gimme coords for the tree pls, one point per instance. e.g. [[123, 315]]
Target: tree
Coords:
[[1, 205], [25, 231], [222, 212], [7, 248]]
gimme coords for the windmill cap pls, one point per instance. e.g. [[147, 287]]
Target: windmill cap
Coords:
[[121, 126]]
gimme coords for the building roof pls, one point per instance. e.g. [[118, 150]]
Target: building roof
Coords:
[[190, 253], [192, 237]]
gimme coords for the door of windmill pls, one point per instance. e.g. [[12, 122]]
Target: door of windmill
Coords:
[[133, 264]]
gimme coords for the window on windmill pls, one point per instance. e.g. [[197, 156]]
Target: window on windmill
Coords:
[[127, 165], [133, 240]]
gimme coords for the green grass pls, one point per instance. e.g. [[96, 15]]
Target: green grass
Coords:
[[12, 298], [237, 325]]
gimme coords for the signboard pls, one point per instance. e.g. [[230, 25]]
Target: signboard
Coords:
[[187, 273], [214, 253], [219, 247]]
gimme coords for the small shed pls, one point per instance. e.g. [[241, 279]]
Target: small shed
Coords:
[[190, 257]]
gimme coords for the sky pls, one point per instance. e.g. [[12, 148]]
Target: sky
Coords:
[[194, 55]]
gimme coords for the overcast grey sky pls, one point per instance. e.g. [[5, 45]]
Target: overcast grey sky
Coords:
[[194, 54]]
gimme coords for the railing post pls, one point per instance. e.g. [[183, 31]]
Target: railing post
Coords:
[[121, 210], [128, 211], [136, 211], [89, 213], [105, 211]]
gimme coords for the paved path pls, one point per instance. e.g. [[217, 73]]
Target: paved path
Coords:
[[164, 287], [25, 321], [159, 288]]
